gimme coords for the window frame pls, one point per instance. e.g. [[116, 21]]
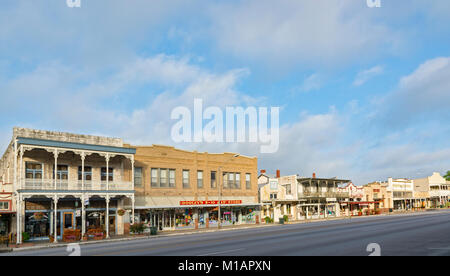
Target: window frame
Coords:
[[213, 184], [186, 186], [200, 182], [248, 183], [138, 176], [34, 171], [109, 174]]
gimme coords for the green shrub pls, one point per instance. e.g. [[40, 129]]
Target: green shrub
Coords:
[[25, 236], [285, 218], [268, 220], [137, 228]]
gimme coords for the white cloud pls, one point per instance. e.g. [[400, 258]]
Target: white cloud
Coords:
[[311, 83], [422, 94], [363, 76], [296, 32]]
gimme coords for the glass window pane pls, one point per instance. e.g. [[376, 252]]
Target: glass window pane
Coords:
[[200, 179], [171, 178], [155, 178], [213, 180], [238, 181], [163, 177], [186, 179]]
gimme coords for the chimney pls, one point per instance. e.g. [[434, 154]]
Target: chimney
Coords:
[[263, 171], [314, 175], [278, 174]]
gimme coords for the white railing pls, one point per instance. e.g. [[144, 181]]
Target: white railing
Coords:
[[49, 184]]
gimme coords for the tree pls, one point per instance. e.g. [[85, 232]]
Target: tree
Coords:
[[447, 176]]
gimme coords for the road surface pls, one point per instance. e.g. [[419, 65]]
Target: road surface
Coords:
[[425, 234]]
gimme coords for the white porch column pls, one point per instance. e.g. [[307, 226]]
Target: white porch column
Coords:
[[18, 216], [132, 172], [107, 217], [83, 216], [132, 210], [83, 157], [55, 153], [107, 171], [55, 201], [21, 171], [15, 186]]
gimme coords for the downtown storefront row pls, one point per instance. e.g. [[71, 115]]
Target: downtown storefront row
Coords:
[[203, 214]]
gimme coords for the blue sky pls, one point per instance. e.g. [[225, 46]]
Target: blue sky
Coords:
[[363, 92]]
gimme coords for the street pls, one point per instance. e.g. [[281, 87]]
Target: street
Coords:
[[425, 234]]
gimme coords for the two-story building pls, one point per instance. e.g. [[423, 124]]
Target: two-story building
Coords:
[[438, 187], [402, 192], [279, 196], [59, 182], [178, 189], [378, 198], [320, 197]]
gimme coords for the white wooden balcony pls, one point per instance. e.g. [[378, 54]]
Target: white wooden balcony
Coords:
[[65, 185]]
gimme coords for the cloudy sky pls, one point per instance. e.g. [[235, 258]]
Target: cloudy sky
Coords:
[[363, 92]]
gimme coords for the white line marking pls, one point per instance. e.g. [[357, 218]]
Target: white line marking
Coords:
[[216, 253]]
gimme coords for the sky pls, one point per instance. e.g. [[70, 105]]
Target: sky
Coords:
[[363, 92]]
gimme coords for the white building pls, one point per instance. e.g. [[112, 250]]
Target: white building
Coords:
[[402, 191], [439, 189]]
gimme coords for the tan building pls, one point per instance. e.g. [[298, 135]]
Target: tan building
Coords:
[[438, 188], [377, 198], [177, 189], [279, 196]]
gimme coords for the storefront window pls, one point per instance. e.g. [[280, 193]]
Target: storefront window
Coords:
[[37, 224], [4, 225]]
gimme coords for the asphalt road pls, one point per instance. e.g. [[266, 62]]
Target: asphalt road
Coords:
[[424, 234]]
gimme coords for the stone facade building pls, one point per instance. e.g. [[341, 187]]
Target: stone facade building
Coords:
[[62, 183], [179, 189]]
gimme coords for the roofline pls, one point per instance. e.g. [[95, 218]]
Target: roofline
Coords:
[[335, 179], [70, 145]]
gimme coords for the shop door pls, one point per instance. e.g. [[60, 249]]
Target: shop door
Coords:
[[112, 225], [68, 220]]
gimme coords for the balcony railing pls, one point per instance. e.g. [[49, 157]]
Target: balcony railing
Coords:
[[323, 194], [49, 184]]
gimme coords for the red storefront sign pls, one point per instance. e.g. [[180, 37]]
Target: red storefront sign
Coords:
[[210, 202]]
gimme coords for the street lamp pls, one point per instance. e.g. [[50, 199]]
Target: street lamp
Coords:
[[220, 189]]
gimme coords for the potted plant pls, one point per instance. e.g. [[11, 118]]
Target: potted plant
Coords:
[[25, 236], [121, 212], [137, 228], [359, 212]]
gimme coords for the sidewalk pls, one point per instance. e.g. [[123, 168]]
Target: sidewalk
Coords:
[[166, 233]]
